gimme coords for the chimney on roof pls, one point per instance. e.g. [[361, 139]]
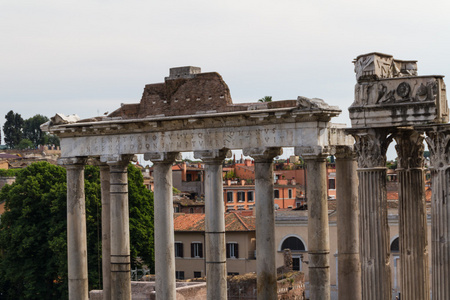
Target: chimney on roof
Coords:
[[183, 72]]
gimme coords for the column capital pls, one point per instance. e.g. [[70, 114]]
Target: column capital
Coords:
[[263, 154], [345, 152], [162, 157], [438, 140], [72, 161], [215, 156], [371, 146], [410, 149], [312, 152], [117, 159]]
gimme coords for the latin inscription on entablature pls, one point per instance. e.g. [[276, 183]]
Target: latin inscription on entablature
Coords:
[[284, 135], [399, 102]]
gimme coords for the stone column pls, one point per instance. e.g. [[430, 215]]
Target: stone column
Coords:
[[76, 228], [349, 265], [412, 216], [164, 234], [216, 261], [265, 221], [106, 231], [371, 146], [439, 144], [120, 228], [318, 231]]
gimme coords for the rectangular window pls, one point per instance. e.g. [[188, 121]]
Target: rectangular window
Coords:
[[250, 196], [197, 274], [232, 250], [276, 194], [188, 177], [241, 196], [179, 275], [332, 183], [197, 250], [178, 249], [290, 193], [233, 273], [230, 197]]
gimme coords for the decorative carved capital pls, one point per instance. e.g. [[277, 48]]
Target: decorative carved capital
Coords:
[[371, 146], [162, 157], [438, 140], [410, 149], [72, 161], [215, 156], [263, 154]]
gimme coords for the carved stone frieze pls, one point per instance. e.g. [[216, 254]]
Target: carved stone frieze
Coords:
[[371, 147], [438, 141], [410, 149]]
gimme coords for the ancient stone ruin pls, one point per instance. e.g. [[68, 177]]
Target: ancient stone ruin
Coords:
[[193, 111]]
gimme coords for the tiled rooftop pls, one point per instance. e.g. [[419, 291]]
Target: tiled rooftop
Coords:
[[234, 221]]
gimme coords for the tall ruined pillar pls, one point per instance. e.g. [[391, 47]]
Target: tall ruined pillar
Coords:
[[265, 221], [318, 231], [120, 228], [106, 231], [76, 228], [216, 261], [371, 146], [412, 216], [439, 144], [164, 234], [349, 270]]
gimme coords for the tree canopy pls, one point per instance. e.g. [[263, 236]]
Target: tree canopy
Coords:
[[13, 129], [33, 242], [265, 99], [32, 130]]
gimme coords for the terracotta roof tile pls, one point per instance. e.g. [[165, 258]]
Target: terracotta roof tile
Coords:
[[234, 221]]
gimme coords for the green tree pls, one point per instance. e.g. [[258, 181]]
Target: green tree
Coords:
[[25, 144], [32, 130], [13, 129], [265, 99], [33, 259]]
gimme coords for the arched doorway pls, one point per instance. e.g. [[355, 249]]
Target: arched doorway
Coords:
[[297, 247]]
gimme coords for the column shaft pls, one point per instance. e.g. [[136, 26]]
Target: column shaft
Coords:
[[106, 231], [318, 232], [349, 266], [164, 234], [216, 268], [374, 235], [440, 234], [76, 233], [265, 231], [413, 235], [120, 232]]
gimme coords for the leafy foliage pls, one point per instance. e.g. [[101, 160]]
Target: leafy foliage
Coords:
[[32, 130], [33, 243], [265, 99], [12, 129]]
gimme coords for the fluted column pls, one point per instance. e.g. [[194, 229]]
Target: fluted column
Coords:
[[371, 146], [412, 216], [349, 265], [265, 221], [216, 261], [106, 231], [318, 231], [76, 228], [439, 144], [164, 234]]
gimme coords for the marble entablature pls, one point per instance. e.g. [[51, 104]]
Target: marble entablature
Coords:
[[388, 93]]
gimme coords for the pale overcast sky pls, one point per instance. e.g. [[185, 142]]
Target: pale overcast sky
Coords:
[[88, 57]]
